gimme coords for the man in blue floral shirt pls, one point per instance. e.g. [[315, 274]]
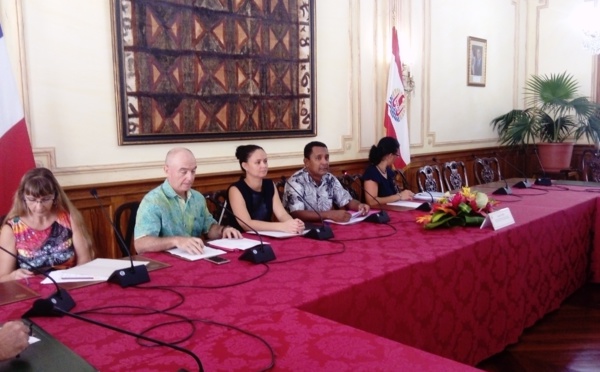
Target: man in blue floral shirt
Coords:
[[313, 186], [174, 215]]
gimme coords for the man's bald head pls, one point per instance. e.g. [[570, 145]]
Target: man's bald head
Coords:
[[180, 167]]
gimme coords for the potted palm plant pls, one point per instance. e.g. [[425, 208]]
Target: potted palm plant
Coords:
[[554, 117]]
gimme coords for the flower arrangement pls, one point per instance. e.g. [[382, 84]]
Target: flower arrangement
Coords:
[[465, 208]]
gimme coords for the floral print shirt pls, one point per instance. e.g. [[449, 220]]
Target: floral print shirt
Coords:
[[301, 190], [48, 248]]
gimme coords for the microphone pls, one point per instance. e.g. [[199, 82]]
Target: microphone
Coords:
[[257, 254], [46, 306], [379, 217], [426, 206], [124, 277], [542, 181], [502, 190], [521, 184], [323, 232]]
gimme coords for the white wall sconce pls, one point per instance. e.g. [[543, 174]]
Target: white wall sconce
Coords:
[[587, 19], [591, 40]]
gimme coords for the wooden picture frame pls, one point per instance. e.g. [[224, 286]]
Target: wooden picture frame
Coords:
[[218, 70], [476, 61]]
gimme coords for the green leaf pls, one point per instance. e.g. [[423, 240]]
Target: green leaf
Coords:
[[474, 220], [444, 218]]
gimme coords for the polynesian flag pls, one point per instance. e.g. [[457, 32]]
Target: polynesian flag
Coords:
[[16, 155], [395, 120]]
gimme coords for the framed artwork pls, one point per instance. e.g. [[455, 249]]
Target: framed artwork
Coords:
[[189, 70], [476, 61]]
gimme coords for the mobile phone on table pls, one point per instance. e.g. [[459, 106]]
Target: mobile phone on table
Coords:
[[217, 260]]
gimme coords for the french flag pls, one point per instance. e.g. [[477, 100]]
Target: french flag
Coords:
[[16, 155]]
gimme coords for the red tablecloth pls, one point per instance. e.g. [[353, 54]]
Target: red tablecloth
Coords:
[[460, 293]]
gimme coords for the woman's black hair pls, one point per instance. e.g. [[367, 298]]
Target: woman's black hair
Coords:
[[243, 152], [385, 146]]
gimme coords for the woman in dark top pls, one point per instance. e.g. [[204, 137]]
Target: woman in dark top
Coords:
[[254, 199], [379, 177]]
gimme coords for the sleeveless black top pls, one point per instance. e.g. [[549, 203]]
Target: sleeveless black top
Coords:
[[258, 204]]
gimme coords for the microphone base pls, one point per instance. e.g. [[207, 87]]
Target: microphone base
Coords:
[[258, 254], [380, 217], [503, 191], [425, 207], [522, 184], [47, 306], [131, 276], [320, 233], [543, 181]]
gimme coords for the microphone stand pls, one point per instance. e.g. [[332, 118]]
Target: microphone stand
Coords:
[[323, 232], [258, 254], [379, 217], [426, 206], [521, 184], [541, 181], [124, 277], [46, 306], [503, 190]]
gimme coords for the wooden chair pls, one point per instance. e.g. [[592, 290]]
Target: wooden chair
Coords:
[[350, 182], [590, 166], [401, 181], [455, 175], [219, 205], [125, 215], [429, 178], [280, 187], [487, 170]]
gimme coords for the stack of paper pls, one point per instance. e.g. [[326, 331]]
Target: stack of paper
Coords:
[[432, 196], [208, 252]]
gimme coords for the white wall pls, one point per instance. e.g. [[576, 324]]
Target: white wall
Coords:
[[63, 55]]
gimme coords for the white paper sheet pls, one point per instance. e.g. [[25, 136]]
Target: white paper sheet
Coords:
[[98, 269], [278, 234], [233, 244], [356, 218], [425, 196], [406, 203], [208, 252]]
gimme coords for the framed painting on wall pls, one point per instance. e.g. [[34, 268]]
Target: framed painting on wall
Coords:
[[215, 70], [476, 61]]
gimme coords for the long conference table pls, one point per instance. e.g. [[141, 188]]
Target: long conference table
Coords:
[[377, 297]]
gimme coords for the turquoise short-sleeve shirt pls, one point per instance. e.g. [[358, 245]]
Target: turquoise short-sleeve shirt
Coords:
[[164, 213]]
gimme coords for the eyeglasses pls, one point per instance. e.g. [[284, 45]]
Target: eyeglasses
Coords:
[[47, 200]]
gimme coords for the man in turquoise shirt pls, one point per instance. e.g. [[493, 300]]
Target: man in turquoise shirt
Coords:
[[175, 215]]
